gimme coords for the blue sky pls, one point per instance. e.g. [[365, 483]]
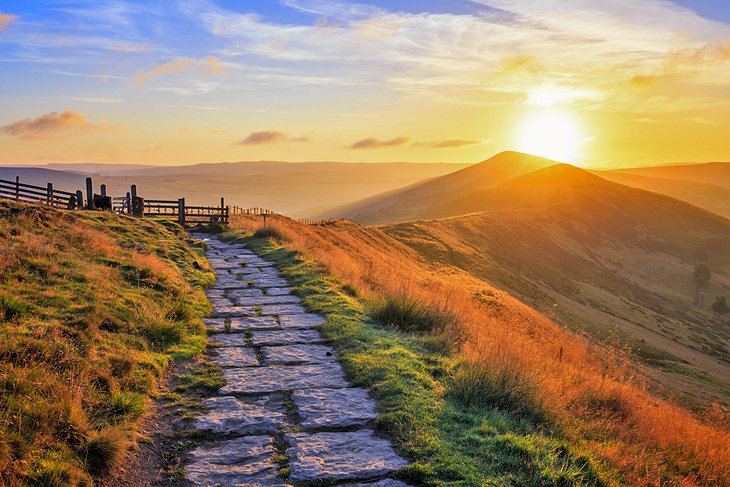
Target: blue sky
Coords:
[[190, 80]]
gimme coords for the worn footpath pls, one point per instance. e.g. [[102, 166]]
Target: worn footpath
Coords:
[[286, 402]]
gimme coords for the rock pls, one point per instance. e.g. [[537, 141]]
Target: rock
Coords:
[[340, 456], [245, 461], [232, 311], [308, 320], [334, 407], [274, 291], [281, 378], [235, 357], [227, 415], [241, 324], [300, 353], [267, 299], [285, 337]]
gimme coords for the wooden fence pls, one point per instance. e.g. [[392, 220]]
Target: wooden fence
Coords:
[[130, 204]]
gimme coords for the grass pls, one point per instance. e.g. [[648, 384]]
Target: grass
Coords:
[[497, 359], [93, 308], [405, 313], [449, 442]]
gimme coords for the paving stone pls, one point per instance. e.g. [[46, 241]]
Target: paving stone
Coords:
[[282, 309], [267, 299], [247, 292], [285, 337], [233, 311], [309, 320], [270, 282], [298, 354], [334, 407], [340, 456], [228, 415], [235, 357], [246, 271], [274, 291], [231, 285], [241, 324], [379, 483], [245, 461], [229, 340], [220, 302], [279, 378]]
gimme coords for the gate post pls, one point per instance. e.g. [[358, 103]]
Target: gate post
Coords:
[[181, 211], [49, 195], [89, 194], [79, 199]]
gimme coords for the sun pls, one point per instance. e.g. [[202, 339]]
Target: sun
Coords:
[[554, 134]]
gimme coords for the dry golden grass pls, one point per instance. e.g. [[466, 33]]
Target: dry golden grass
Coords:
[[592, 393]]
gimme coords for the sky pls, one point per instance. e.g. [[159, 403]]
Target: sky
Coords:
[[599, 84]]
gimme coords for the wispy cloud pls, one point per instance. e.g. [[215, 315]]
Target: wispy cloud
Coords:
[[51, 124], [210, 64], [96, 99], [6, 20], [374, 143], [270, 137], [450, 143]]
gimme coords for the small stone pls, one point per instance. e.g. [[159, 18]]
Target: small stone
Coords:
[[241, 324], [281, 378], [227, 415], [244, 461], [340, 456], [308, 320], [235, 357], [298, 354], [285, 337], [282, 309], [334, 407]]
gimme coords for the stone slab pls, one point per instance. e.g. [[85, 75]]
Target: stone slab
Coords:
[[270, 282], [340, 456], [282, 309], [275, 291], [244, 293], [235, 357], [244, 461], [280, 378], [241, 324], [285, 337], [228, 415], [309, 320], [233, 311], [298, 354], [320, 408], [267, 300]]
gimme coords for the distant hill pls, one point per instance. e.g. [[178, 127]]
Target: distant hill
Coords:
[[597, 256], [707, 195], [414, 201], [716, 173], [295, 189]]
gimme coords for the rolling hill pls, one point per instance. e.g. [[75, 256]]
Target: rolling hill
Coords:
[[292, 188], [415, 200], [597, 256]]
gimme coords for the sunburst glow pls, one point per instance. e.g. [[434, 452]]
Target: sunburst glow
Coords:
[[553, 134]]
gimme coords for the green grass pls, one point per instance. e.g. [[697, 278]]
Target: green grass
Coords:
[[405, 313], [452, 437], [93, 308]]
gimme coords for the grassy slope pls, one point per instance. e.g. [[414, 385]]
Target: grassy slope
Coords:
[[450, 441], [92, 309]]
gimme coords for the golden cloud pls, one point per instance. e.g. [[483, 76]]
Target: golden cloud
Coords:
[[264, 137], [51, 124], [373, 143], [210, 64], [6, 20], [449, 143]]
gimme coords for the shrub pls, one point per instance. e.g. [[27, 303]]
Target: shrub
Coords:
[[11, 308], [104, 451], [270, 233], [408, 314]]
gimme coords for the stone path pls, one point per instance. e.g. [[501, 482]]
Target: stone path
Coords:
[[286, 402]]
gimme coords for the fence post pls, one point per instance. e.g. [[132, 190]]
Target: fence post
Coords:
[[103, 190], [89, 194], [223, 211], [127, 204], [17, 188], [49, 195], [133, 194], [79, 199], [181, 211]]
